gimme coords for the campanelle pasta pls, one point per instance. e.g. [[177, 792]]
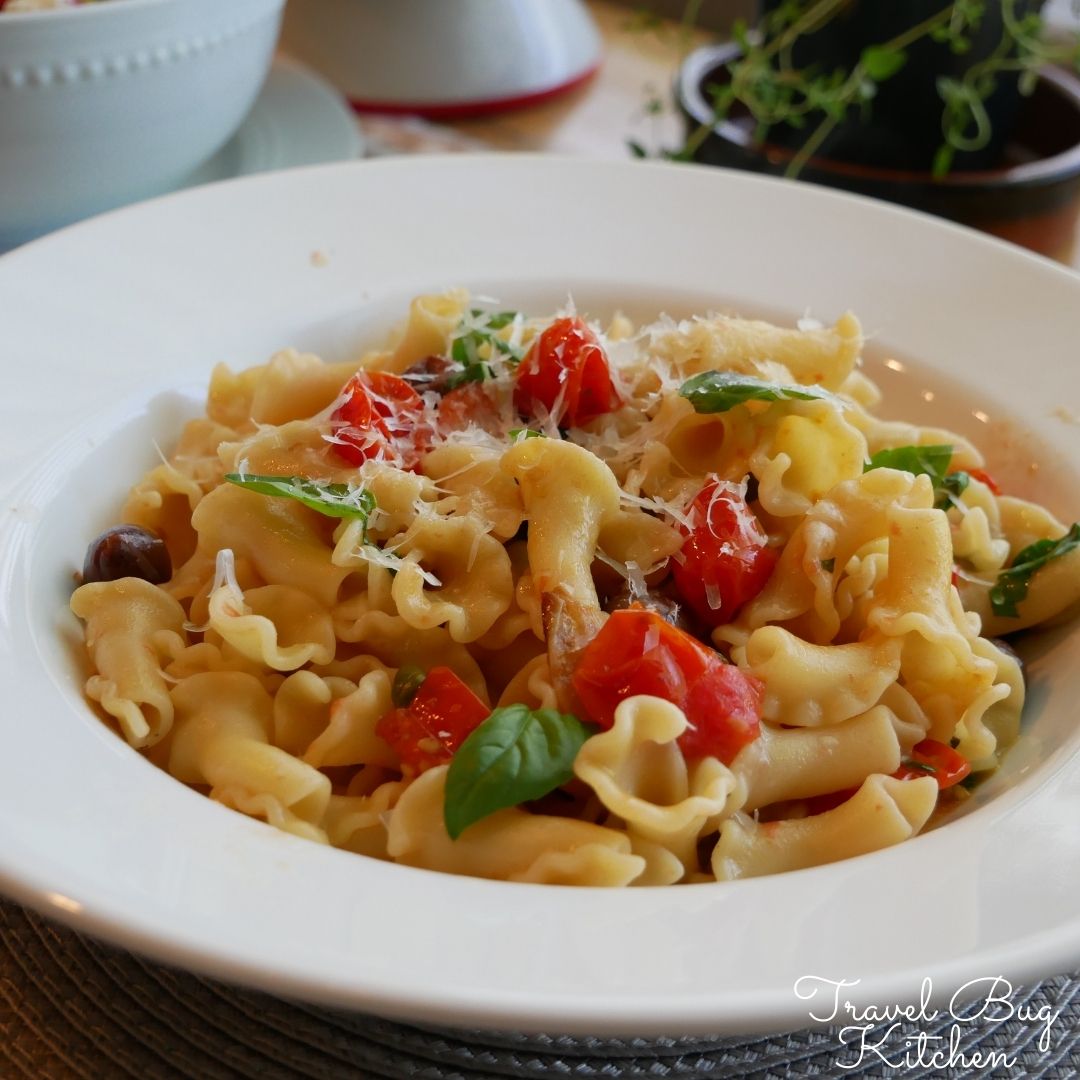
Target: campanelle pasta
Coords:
[[520, 599]]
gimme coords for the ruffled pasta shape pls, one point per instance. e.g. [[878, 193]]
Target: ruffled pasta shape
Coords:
[[699, 444], [639, 773], [973, 540], [295, 385], [915, 601], [221, 738], [401, 497], [165, 497], [569, 496], [888, 434], [634, 537], [510, 845], [909, 721], [474, 484], [806, 449], [349, 737], [130, 626], [291, 386], [393, 641], [800, 593], [431, 321], [824, 356], [296, 448], [808, 685], [183, 661], [783, 765], [302, 708], [662, 866], [991, 722], [357, 822], [881, 813], [531, 686], [1053, 592], [281, 539], [1002, 716], [277, 626], [475, 580]]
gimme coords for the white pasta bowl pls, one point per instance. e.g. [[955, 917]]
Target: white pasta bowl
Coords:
[[116, 324], [103, 104]]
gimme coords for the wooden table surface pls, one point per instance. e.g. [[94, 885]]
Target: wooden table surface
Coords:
[[629, 98]]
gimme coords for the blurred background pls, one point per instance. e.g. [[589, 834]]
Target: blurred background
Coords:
[[104, 102]]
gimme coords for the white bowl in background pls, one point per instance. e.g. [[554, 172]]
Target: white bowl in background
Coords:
[[444, 59], [104, 104]]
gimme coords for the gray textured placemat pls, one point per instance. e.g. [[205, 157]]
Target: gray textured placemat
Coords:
[[71, 1007]]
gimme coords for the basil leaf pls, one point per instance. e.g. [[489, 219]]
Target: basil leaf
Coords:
[[481, 329], [1012, 584], [524, 433], [333, 500], [932, 461], [950, 489], [495, 320], [515, 755], [719, 391], [407, 681]]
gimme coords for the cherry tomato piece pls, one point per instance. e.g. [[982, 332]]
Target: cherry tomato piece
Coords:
[[638, 652], [467, 405], [725, 560], [724, 710], [441, 715], [986, 478], [378, 412], [566, 370], [936, 759]]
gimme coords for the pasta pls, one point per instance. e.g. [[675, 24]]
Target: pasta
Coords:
[[524, 600]]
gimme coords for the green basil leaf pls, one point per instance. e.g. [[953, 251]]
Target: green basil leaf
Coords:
[[719, 391], [333, 500], [525, 433], [1012, 584], [494, 320], [950, 489], [481, 328], [407, 681], [932, 461], [515, 755]]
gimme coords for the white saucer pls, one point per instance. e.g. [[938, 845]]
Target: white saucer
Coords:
[[297, 119]]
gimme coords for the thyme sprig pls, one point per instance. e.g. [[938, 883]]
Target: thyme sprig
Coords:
[[765, 81]]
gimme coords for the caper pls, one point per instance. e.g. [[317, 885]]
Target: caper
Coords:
[[127, 551]]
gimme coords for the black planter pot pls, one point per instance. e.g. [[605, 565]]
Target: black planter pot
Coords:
[[900, 136], [1034, 201]]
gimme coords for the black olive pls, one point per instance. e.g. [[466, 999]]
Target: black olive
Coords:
[[127, 551]]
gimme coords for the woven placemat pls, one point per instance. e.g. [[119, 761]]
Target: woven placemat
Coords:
[[71, 1007]]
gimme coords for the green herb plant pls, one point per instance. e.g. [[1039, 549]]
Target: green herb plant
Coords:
[[767, 84]]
